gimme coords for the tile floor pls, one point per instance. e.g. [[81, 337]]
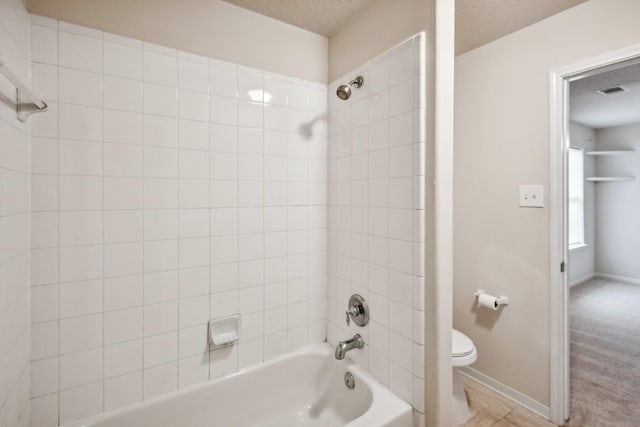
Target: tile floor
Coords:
[[491, 409]]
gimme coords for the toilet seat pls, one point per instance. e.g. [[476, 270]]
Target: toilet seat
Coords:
[[463, 352]]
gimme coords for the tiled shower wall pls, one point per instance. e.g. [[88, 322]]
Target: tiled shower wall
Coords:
[[376, 216], [14, 222], [168, 189]]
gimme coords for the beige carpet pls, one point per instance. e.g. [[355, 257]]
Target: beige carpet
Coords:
[[604, 319]]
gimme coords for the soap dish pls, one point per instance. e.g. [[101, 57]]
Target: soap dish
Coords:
[[224, 331]]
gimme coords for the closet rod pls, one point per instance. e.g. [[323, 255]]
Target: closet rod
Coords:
[[23, 109]]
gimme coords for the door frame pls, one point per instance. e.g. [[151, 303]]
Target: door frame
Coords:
[[559, 80]]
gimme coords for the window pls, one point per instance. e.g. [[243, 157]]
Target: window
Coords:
[[576, 198]]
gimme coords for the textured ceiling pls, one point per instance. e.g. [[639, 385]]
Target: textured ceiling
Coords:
[[481, 21], [322, 17], [597, 111]]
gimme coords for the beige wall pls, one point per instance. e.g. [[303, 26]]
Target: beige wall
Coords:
[[216, 29], [375, 29], [502, 140]]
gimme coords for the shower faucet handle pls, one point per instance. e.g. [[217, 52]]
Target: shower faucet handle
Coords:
[[358, 311]]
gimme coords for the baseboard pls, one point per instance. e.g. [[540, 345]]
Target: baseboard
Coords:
[[506, 391], [582, 279], [613, 277]]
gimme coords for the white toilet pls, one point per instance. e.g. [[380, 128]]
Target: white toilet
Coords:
[[463, 353]]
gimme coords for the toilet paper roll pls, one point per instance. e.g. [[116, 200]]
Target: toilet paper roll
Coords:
[[489, 301]]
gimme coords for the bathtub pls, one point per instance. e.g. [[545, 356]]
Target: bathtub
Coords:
[[305, 388]]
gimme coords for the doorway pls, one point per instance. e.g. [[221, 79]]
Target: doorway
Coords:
[[595, 291]]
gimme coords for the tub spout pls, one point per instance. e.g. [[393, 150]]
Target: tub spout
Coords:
[[344, 346]]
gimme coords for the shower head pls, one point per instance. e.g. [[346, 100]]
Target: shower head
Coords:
[[344, 91]]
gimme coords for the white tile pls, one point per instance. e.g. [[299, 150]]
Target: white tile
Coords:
[[251, 300], [401, 98], [81, 298], [122, 94], [194, 105], [123, 193], [44, 156], [160, 162], [250, 114], [250, 141], [194, 223], [80, 87], [250, 166], [80, 333], [80, 158], [194, 282], [194, 193], [160, 349], [80, 122], [160, 224], [160, 131], [160, 379], [194, 135], [194, 370], [275, 345], [224, 110], [224, 304], [160, 100], [194, 252], [194, 164], [44, 303], [223, 361], [160, 286], [123, 358], [224, 277], [44, 340], [224, 81], [224, 166], [160, 255], [80, 228], [122, 160], [76, 51], [194, 311], [123, 126], [44, 376], [81, 402], [122, 325], [80, 368], [122, 391], [193, 75], [193, 341], [123, 292], [44, 410], [80, 263], [250, 352], [44, 265], [44, 229], [122, 259], [224, 194], [159, 68], [160, 194], [122, 60], [44, 45], [224, 138], [159, 318]]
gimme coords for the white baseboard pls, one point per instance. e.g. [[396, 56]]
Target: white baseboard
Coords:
[[506, 391], [630, 280], [582, 279]]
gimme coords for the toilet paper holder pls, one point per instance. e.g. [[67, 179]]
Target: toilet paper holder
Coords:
[[498, 301]]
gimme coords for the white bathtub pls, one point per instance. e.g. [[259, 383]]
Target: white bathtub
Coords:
[[305, 388]]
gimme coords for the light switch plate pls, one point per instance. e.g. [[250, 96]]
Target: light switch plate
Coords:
[[532, 196]]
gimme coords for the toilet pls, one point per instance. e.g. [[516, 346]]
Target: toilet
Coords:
[[463, 353]]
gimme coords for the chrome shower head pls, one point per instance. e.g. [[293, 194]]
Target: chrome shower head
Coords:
[[344, 91]]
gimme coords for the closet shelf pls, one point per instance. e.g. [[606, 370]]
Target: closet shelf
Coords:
[[610, 178], [610, 152]]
